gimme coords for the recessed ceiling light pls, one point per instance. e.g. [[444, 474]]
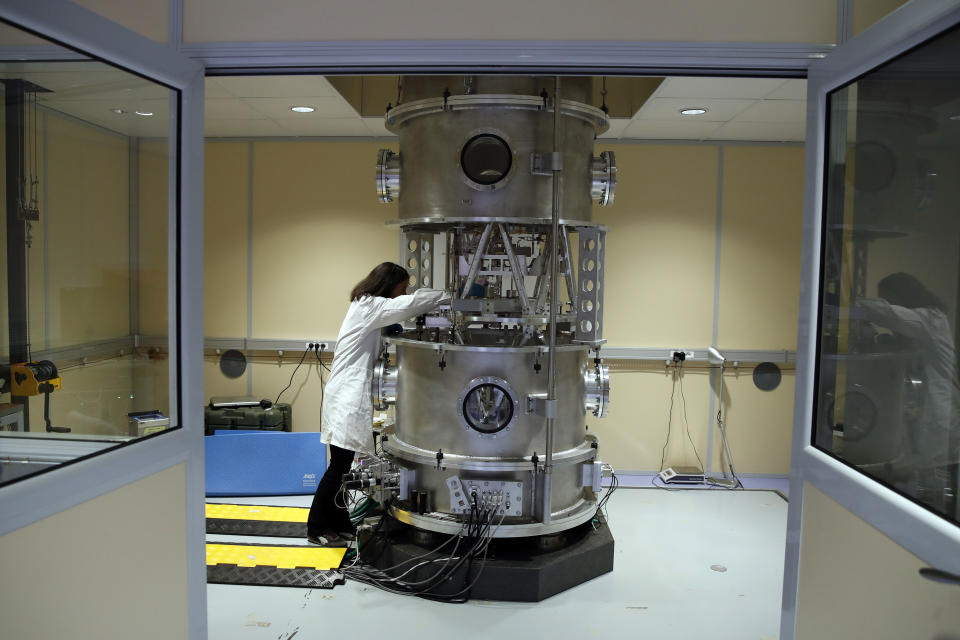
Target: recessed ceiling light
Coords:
[[302, 109], [144, 113], [119, 112], [956, 117], [695, 111]]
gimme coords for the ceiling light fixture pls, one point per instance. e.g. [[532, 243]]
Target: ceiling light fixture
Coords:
[[694, 111], [956, 117], [302, 109], [144, 113], [118, 111]]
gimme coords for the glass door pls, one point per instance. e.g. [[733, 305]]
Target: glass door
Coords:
[[877, 423], [102, 171]]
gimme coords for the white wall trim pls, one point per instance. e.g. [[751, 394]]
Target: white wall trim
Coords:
[[451, 56]]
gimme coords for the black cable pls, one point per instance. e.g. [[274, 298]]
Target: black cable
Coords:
[[319, 353], [673, 389], [277, 401], [703, 469], [602, 505], [478, 537]]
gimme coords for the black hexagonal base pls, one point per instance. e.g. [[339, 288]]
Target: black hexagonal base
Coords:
[[515, 569]]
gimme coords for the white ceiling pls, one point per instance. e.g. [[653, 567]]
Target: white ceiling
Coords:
[[737, 109], [256, 106], [761, 109], [90, 90]]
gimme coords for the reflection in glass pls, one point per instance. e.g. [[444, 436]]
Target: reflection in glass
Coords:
[[487, 408], [84, 281], [888, 400]]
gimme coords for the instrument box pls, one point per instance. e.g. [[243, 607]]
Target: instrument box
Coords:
[[278, 417]]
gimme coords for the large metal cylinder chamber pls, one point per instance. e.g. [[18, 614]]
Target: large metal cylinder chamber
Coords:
[[484, 401], [474, 416], [490, 155]]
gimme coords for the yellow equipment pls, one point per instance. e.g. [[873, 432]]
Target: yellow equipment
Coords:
[[34, 378]]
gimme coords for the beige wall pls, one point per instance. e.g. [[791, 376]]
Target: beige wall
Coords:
[[867, 12], [150, 18], [857, 583], [225, 235], [760, 249], [680, 20], [318, 228], [661, 244], [152, 239], [88, 223], [112, 567], [79, 273]]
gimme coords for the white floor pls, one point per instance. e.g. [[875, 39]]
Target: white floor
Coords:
[[689, 565]]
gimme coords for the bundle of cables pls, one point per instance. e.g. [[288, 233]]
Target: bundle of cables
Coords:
[[602, 505], [428, 575]]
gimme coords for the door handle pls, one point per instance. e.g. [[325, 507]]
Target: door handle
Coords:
[[938, 575]]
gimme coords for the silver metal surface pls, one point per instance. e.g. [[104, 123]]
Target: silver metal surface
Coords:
[[419, 456], [516, 271], [589, 309], [596, 379], [604, 171], [398, 116], [440, 222], [581, 512], [427, 397], [477, 259], [432, 134], [388, 175], [495, 386], [384, 387]]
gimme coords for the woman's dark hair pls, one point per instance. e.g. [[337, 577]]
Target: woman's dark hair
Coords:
[[381, 281], [903, 290]]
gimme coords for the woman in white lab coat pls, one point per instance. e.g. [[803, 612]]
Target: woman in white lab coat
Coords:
[[915, 314], [347, 420]]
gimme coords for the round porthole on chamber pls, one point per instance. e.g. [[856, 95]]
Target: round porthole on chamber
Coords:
[[486, 159], [487, 405]]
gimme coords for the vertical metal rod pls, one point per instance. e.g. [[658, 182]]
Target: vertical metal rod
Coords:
[[477, 259], [554, 299], [515, 268], [17, 311]]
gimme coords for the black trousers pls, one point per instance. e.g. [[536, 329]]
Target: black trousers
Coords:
[[325, 515]]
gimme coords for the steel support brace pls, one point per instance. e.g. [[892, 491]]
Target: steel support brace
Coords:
[[17, 311], [477, 259]]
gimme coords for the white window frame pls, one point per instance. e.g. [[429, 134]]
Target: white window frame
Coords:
[[45, 494], [932, 538]]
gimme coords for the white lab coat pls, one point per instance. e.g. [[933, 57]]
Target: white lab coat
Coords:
[[930, 331], [347, 420]]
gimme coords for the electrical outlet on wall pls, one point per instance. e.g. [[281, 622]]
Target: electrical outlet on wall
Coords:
[[315, 345], [678, 355]]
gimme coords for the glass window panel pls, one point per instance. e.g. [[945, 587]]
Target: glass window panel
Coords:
[[888, 400], [84, 284]]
